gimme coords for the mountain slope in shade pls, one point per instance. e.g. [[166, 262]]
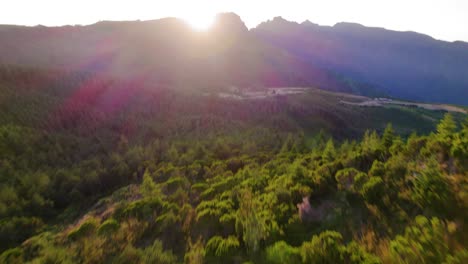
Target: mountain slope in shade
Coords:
[[346, 57], [406, 64], [167, 52]]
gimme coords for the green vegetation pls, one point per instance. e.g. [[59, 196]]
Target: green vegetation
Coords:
[[93, 171]]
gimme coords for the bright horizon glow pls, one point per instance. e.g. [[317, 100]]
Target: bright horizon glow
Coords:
[[199, 22], [441, 19]]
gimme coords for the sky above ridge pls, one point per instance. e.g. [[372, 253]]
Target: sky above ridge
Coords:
[[441, 19]]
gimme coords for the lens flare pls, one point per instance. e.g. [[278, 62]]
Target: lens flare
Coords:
[[200, 22]]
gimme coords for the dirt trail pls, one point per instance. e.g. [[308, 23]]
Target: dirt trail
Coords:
[[384, 101], [239, 94], [271, 92]]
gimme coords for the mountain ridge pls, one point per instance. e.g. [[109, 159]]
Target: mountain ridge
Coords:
[[306, 22], [409, 65], [346, 57]]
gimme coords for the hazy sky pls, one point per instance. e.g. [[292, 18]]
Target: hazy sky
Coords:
[[442, 19]]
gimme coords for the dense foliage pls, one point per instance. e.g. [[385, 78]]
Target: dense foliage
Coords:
[[199, 179]]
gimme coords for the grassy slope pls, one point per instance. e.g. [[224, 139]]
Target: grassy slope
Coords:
[[323, 110], [87, 117], [37, 105]]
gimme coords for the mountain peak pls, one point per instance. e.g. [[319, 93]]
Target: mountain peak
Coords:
[[230, 22], [348, 25], [307, 23], [279, 19], [278, 23]]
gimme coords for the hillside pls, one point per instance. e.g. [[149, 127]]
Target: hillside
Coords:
[[149, 142], [346, 57], [84, 102], [98, 170], [406, 65], [166, 52]]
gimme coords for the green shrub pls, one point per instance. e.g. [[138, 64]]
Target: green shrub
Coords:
[[108, 227], [281, 252], [222, 247], [86, 228]]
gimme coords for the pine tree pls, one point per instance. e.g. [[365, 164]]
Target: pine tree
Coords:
[[388, 136], [446, 129], [329, 153]]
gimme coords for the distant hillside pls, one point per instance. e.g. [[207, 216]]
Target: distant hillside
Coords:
[[87, 104], [405, 64], [168, 53]]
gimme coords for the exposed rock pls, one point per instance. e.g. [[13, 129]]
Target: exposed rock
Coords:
[[308, 213]]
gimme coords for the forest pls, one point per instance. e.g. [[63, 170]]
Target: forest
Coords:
[[97, 170]]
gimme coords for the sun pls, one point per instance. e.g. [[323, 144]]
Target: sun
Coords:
[[199, 22]]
